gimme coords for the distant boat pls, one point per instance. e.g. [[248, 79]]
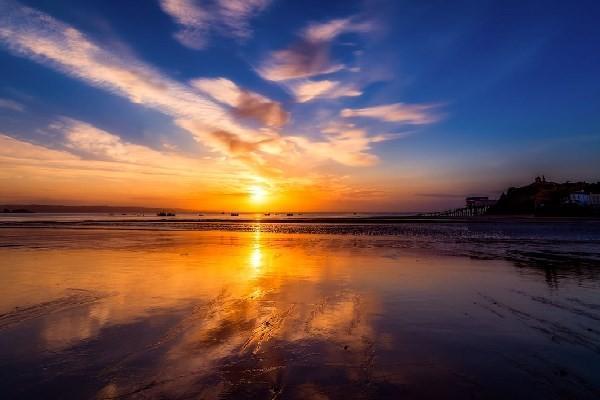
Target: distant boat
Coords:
[[165, 214], [201, 215], [234, 214], [267, 214], [290, 214]]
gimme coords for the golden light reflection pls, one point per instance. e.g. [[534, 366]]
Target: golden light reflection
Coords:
[[256, 256], [287, 291]]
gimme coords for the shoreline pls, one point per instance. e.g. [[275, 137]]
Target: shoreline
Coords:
[[371, 220]]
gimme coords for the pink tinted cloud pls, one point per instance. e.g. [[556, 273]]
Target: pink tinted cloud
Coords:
[[417, 114], [198, 20], [310, 56]]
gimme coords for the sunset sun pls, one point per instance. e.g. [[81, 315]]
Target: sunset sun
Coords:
[[258, 194]]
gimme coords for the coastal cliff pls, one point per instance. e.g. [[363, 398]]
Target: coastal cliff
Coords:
[[546, 198]]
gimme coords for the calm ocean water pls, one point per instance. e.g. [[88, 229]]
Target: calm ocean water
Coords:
[[71, 217], [294, 311]]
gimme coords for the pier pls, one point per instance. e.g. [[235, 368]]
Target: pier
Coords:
[[473, 211]]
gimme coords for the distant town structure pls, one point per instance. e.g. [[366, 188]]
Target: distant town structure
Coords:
[[540, 198], [580, 198], [547, 198]]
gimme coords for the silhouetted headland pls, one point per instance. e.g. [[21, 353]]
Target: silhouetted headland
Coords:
[[545, 198], [539, 199]]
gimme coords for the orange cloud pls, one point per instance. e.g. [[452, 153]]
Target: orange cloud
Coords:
[[244, 103], [121, 172]]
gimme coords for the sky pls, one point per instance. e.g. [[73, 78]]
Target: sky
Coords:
[[277, 105]]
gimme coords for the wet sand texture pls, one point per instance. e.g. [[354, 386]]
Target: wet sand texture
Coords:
[[428, 312]]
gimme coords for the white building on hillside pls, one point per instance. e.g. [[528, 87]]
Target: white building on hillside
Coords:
[[580, 198]]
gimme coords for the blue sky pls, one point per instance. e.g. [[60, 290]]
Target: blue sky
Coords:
[[371, 105]]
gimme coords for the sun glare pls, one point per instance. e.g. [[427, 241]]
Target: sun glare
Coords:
[[258, 194]]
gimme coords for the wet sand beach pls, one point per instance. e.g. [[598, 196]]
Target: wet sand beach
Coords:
[[217, 310]]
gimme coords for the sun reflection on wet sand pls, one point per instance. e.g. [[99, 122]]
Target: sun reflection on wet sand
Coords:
[[256, 256], [255, 315]]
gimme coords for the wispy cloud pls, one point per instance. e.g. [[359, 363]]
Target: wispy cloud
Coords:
[[209, 109], [44, 39], [344, 144], [12, 149], [192, 19], [89, 148], [38, 36], [198, 19], [236, 14], [308, 90], [417, 114], [94, 155], [272, 154], [94, 143], [11, 105], [243, 102], [350, 151], [327, 31], [310, 56]]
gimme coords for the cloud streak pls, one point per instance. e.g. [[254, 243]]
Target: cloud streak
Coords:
[[192, 19], [310, 55], [197, 20], [417, 114], [11, 105], [308, 90], [97, 144], [87, 148], [42, 38], [93, 155], [37, 36], [327, 31]]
